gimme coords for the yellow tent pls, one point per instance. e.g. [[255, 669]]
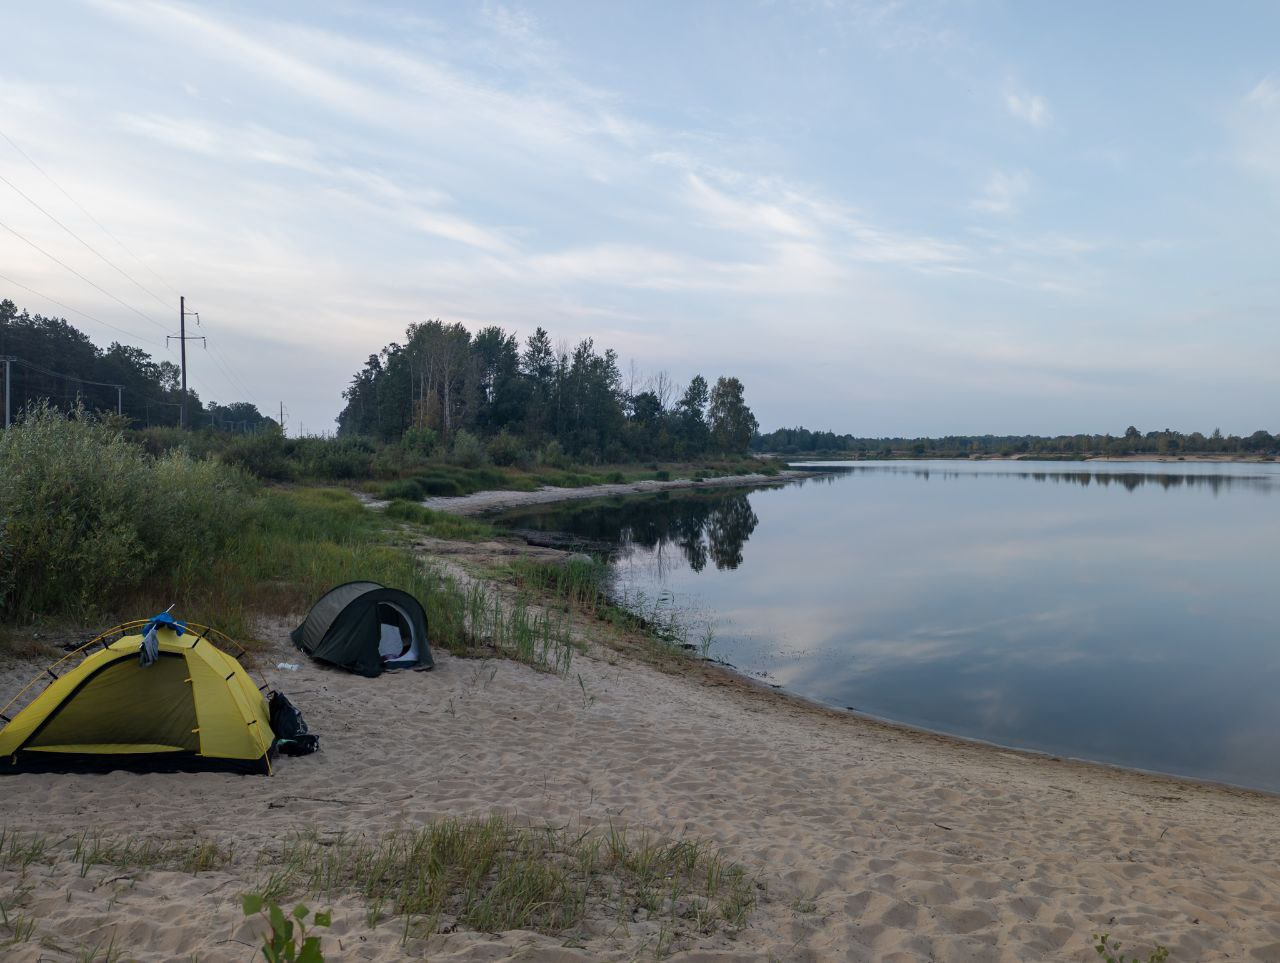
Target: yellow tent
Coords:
[[194, 708]]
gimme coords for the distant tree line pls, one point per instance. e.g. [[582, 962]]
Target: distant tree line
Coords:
[[448, 387], [802, 441], [63, 367]]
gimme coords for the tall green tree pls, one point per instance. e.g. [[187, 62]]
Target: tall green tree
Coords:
[[732, 423], [691, 429]]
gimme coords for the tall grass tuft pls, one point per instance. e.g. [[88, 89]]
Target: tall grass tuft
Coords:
[[667, 631], [483, 618], [581, 583]]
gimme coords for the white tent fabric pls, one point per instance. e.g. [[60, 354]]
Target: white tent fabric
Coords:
[[391, 646]]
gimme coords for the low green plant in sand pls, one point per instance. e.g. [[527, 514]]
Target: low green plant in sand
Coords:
[[1108, 950], [579, 583], [287, 942], [19, 927], [132, 854], [477, 620]]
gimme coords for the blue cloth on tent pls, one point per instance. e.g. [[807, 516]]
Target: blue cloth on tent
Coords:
[[149, 650], [165, 621]]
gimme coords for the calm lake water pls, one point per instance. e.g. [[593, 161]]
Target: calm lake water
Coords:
[[1120, 612]]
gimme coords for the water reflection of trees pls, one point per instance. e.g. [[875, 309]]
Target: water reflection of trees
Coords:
[[1123, 479], [703, 527]]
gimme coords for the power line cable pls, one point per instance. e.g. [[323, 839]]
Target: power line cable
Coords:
[[58, 374], [224, 364], [111, 264], [222, 361], [64, 264], [226, 376], [101, 227], [83, 314]]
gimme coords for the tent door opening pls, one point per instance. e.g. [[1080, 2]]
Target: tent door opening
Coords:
[[398, 644]]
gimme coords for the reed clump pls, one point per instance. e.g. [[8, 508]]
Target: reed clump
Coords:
[[585, 586], [477, 620]]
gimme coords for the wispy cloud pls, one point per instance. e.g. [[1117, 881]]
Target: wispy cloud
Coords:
[[1265, 95], [1031, 108], [1003, 192], [1256, 121]]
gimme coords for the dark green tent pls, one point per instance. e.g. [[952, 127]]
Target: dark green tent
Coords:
[[366, 628]]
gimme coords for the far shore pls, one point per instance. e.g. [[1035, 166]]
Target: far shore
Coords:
[[1023, 456], [485, 502], [479, 503]]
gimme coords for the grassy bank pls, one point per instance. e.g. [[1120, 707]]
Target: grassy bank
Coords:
[[294, 545], [94, 531]]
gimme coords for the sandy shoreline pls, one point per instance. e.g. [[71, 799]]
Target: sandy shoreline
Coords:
[[479, 503], [483, 502]]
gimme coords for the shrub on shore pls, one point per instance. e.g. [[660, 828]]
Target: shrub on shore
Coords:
[[86, 516]]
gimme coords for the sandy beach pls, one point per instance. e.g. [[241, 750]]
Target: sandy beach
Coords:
[[868, 842]]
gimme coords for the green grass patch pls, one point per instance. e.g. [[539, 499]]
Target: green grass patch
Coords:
[[492, 874], [293, 545], [19, 851], [440, 524], [581, 584], [488, 874], [305, 541]]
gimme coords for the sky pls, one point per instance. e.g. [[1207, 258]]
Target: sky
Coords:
[[900, 218]]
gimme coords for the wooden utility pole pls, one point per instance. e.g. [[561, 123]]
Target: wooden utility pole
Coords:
[[182, 342], [182, 339]]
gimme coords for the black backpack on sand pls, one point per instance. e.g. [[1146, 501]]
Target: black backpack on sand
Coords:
[[292, 737]]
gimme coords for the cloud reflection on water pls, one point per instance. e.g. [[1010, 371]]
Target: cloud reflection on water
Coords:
[[1135, 630]]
